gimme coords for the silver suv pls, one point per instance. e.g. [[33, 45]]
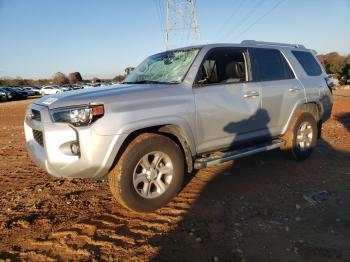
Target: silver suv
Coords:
[[181, 110]]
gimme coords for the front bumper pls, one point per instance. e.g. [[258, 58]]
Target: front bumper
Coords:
[[49, 143]]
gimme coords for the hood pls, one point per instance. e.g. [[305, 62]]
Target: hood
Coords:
[[92, 95]]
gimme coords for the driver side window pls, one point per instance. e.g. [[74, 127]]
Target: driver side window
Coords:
[[223, 66]]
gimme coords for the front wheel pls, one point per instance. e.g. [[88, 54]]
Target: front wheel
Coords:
[[3, 99], [301, 137], [148, 174]]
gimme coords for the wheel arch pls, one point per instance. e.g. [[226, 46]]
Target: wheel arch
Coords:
[[172, 131], [313, 107]]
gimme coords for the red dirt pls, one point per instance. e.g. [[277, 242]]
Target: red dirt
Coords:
[[250, 210]]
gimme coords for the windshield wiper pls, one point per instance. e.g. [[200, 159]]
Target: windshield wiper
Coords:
[[151, 82]]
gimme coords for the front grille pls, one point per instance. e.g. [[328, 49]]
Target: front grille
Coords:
[[36, 115], [38, 137]]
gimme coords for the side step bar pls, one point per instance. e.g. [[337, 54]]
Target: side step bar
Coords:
[[232, 155]]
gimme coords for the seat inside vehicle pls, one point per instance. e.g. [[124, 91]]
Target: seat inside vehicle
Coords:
[[225, 66]]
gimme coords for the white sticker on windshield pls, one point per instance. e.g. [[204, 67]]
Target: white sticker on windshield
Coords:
[[49, 101]]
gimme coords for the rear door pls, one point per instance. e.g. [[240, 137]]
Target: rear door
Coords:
[[280, 90], [227, 100], [313, 79], [311, 76]]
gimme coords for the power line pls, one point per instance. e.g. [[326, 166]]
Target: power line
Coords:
[[260, 18], [245, 18], [159, 14], [224, 25]]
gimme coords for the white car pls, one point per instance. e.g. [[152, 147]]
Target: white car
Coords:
[[50, 90]]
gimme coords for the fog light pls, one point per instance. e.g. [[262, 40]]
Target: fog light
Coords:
[[75, 148]]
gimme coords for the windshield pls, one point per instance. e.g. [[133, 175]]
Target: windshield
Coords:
[[168, 67]]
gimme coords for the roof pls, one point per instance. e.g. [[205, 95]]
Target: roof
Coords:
[[250, 43]]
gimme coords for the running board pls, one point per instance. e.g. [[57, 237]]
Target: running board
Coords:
[[232, 155]]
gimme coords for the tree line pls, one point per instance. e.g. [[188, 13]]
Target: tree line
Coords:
[[337, 65], [58, 78], [333, 63]]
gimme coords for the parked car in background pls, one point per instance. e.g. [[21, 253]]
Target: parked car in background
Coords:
[[343, 80], [20, 90], [105, 84], [37, 90], [65, 88], [77, 87], [87, 86], [13, 94], [31, 91], [26, 90], [3, 95], [50, 90]]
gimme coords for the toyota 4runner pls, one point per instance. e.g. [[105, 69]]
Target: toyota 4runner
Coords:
[[181, 110]]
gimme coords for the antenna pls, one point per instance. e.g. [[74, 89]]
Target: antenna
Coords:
[[181, 24]]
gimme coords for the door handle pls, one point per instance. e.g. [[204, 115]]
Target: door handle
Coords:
[[251, 94], [294, 89]]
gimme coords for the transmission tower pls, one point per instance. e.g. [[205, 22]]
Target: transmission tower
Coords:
[[181, 24]]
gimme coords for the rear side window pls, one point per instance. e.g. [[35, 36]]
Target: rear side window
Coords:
[[308, 62], [272, 65]]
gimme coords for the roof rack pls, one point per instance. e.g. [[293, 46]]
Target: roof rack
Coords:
[[254, 42]]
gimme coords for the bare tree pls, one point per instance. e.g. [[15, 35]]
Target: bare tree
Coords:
[[119, 78], [75, 77], [59, 79]]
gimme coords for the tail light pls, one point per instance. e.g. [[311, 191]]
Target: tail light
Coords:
[[330, 83]]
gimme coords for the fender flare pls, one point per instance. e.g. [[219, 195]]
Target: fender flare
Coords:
[[312, 106]]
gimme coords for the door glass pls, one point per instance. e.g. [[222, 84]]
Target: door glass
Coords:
[[223, 66], [272, 65], [308, 62]]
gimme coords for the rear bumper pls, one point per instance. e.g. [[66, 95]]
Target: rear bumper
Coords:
[[327, 104], [49, 147]]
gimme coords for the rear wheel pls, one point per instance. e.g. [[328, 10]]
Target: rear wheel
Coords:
[[148, 174], [301, 137], [3, 99]]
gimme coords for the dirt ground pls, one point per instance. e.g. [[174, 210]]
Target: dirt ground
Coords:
[[250, 210]]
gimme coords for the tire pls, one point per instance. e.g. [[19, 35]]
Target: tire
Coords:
[[301, 137], [145, 194]]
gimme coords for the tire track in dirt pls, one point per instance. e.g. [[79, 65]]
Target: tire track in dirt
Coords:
[[119, 235]]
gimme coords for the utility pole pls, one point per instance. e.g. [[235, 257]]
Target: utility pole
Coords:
[[182, 26]]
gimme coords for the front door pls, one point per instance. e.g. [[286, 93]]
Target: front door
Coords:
[[227, 102]]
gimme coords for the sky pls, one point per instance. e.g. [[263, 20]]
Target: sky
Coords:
[[100, 38]]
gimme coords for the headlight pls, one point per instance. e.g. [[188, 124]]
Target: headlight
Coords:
[[77, 115]]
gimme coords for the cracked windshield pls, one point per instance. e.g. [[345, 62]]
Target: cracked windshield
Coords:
[[167, 67]]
